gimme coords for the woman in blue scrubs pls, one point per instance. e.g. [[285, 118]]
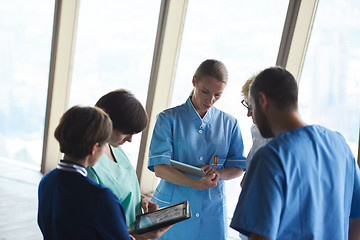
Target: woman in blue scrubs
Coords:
[[198, 134]]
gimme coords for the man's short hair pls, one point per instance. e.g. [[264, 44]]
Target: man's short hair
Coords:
[[277, 84]]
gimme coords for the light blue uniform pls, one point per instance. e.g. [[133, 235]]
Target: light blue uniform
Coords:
[[304, 184], [180, 134]]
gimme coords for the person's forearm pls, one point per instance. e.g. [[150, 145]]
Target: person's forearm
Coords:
[[230, 173], [170, 174], [354, 229]]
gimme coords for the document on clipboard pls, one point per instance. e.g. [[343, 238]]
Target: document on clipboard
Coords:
[[188, 168]]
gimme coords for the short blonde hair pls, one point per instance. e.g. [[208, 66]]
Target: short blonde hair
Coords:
[[246, 87]]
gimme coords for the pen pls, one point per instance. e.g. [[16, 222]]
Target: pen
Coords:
[[215, 160]]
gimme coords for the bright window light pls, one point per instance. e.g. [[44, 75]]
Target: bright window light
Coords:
[[114, 48], [329, 88], [25, 47]]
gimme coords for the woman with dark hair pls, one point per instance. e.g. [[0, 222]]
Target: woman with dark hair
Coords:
[[72, 206], [198, 134], [114, 170]]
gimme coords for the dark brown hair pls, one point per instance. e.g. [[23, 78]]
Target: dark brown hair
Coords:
[[126, 112], [277, 84], [80, 128]]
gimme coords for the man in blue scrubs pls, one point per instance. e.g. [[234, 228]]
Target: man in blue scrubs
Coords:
[[305, 183]]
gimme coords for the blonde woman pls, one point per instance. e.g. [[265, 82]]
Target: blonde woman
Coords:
[[198, 134]]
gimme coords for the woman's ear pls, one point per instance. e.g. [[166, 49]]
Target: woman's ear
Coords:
[[93, 149]]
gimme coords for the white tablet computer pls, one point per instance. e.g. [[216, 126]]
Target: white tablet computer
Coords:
[[162, 217], [188, 168]]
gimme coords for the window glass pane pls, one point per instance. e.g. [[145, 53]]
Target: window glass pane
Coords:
[[245, 36], [114, 48], [329, 87], [25, 47]]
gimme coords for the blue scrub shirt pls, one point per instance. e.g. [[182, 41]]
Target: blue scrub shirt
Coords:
[[181, 134], [304, 184]]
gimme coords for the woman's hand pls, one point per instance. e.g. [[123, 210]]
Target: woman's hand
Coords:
[[147, 205], [207, 169], [170, 174], [150, 235], [208, 181]]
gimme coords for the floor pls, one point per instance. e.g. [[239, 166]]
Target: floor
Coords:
[[18, 202]]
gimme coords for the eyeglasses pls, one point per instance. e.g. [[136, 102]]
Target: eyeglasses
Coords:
[[245, 105]]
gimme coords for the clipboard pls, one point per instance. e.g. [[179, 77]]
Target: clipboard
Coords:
[[188, 168], [162, 217]]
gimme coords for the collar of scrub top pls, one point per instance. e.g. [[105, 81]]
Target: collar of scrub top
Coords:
[[72, 167], [195, 115]]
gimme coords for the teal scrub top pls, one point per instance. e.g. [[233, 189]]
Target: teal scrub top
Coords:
[[181, 134], [121, 178]]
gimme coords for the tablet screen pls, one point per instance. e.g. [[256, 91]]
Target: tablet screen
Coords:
[[162, 217]]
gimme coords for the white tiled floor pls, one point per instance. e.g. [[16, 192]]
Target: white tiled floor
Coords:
[[18, 202]]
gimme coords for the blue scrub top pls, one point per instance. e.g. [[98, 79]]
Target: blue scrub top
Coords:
[[304, 184], [181, 134]]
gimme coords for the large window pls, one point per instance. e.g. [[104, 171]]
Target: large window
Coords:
[[114, 48], [330, 86], [25, 43], [245, 36]]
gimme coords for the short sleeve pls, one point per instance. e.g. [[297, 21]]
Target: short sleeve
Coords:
[[161, 146], [259, 211], [235, 156]]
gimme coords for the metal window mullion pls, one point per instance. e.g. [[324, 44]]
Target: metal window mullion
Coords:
[[296, 35], [167, 45], [64, 29]]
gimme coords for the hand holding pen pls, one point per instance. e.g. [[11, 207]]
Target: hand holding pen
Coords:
[[208, 181], [208, 170]]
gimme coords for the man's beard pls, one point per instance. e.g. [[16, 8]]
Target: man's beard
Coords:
[[263, 125]]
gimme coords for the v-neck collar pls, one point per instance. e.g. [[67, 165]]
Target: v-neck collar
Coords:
[[194, 114]]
